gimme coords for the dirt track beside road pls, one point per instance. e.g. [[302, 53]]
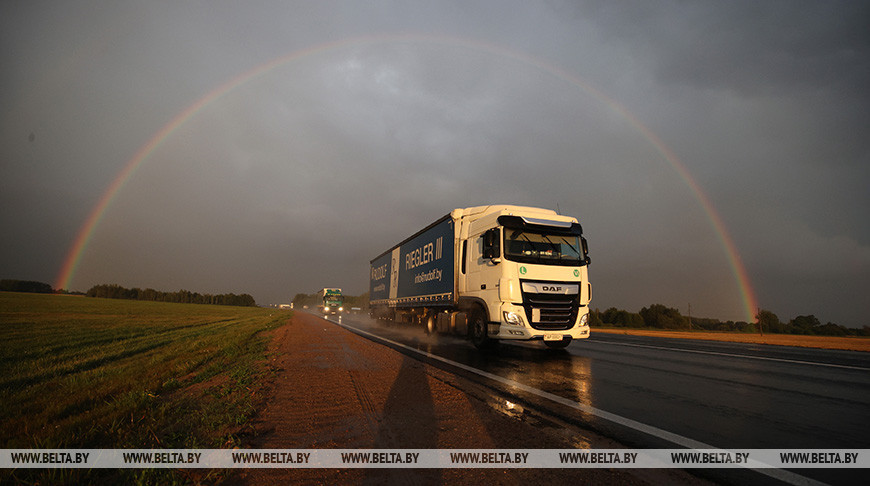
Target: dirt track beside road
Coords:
[[334, 389]]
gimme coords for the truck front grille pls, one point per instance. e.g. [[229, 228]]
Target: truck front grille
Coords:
[[557, 312]]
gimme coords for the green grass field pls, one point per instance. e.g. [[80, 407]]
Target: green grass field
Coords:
[[78, 372]]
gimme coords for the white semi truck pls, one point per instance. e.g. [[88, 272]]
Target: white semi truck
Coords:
[[492, 273]]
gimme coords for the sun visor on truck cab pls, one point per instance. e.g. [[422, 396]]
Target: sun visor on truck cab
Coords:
[[548, 226]]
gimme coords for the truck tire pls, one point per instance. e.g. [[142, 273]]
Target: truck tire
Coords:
[[478, 330]]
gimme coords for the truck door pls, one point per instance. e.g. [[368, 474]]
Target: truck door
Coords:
[[483, 274], [475, 261]]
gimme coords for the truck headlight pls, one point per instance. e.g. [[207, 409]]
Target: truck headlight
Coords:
[[341, 309], [513, 318], [584, 319], [326, 308]]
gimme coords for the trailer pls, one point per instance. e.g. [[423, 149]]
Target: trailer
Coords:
[[491, 273]]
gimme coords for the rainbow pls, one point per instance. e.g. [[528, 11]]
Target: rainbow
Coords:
[[85, 233]]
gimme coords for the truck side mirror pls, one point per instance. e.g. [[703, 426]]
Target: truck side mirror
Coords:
[[585, 250], [492, 245]]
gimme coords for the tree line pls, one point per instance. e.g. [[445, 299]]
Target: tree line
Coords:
[[658, 316], [113, 291], [10, 285]]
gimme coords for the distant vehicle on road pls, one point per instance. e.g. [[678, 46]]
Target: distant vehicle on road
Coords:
[[492, 273], [330, 301]]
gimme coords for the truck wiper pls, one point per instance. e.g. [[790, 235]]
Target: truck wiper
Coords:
[[523, 236], [571, 247], [556, 248]]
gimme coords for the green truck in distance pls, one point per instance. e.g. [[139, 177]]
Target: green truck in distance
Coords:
[[330, 301]]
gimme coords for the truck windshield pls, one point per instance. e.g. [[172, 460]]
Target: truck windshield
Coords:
[[530, 247]]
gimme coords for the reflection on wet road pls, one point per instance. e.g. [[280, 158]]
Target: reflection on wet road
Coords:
[[726, 395]]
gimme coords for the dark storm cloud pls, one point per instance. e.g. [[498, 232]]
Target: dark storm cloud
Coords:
[[294, 179], [754, 48]]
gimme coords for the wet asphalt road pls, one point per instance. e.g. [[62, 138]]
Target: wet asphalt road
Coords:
[[726, 395]]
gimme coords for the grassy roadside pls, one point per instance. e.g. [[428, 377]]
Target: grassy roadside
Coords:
[[850, 343], [79, 372]]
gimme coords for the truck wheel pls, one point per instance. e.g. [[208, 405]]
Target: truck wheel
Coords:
[[479, 331]]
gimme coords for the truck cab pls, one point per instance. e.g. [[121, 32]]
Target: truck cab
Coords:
[[331, 301], [522, 275]]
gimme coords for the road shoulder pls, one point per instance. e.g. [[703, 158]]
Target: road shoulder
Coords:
[[818, 342]]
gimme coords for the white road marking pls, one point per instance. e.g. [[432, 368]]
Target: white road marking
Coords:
[[781, 474], [731, 355]]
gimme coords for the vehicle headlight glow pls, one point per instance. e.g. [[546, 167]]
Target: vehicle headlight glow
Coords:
[[340, 309], [513, 318], [326, 308]]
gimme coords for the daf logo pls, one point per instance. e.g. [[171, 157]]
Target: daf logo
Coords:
[[551, 288]]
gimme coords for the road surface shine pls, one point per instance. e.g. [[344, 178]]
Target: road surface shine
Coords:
[[726, 395]]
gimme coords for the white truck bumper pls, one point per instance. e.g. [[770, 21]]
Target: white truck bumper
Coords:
[[510, 329]]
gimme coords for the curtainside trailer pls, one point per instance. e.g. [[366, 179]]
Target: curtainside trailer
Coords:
[[490, 273]]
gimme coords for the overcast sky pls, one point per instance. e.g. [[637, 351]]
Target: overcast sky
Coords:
[[378, 117]]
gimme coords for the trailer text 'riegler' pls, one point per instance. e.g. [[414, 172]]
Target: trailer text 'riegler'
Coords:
[[491, 273]]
